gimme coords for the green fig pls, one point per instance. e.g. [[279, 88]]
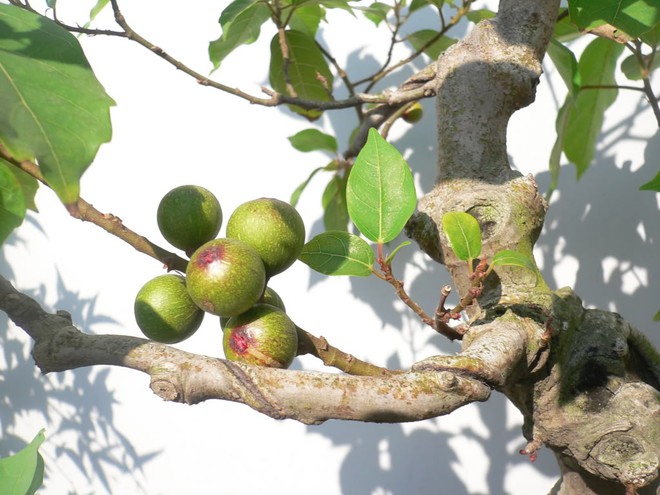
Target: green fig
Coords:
[[188, 216], [263, 335], [269, 297], [414, 113], [226, 277], [273, 228], [165, 312]]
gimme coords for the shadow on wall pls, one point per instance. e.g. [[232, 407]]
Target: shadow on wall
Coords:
[[603, 232], [76, 407]]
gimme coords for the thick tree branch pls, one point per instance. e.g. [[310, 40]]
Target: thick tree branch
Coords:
[[184, 377]]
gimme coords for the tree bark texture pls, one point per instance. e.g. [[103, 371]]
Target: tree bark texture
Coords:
[[586, 382], [591, 391]]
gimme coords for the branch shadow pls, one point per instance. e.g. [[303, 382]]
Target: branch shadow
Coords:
[[75, 407]]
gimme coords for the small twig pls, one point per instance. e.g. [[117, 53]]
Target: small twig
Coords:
[[112, 224], [331, 356]]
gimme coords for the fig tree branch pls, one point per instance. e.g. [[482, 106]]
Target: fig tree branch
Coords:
[[180, 376]]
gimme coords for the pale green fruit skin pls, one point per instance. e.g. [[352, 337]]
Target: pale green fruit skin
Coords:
[[270, 297], [264, 336], [188, 216], [273, 228], [165, 312], [226, 277]]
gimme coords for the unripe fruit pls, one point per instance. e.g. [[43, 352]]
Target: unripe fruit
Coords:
[[270, 297], [188, 216], [225, 277], [264, 335], [414, 113], [165, 312], [273, 228]]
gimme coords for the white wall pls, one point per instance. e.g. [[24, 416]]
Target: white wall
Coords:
[[107, 433]]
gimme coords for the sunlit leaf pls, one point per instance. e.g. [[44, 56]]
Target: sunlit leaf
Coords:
[[380, 194], [307, 71], [241, 24], [419, 38], [313, 140], [652, 185], [464, 234], [96, 10], [335, 213], [52, 107], [338, 253], [597, 67], [633, 17], [23, 472]]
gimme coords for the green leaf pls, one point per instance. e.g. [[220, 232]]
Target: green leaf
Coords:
[[419, 38], [585, 118], [566, 63], [52, 107], [631, 69], [335, 214], [307, 19], [565, 30], [241, 24], [295, 195], [96, 10], [391, 256], [652, 185], [23, 472], [656, 317], [464, 234], [12, 201], [652, 37], [376, 12], [338, 253], [513, 258], [307, 71], [313, 140], [479, 15], [380, 194], [633, 17], [555, 154]]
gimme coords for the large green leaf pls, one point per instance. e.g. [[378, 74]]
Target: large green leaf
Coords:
[[380, 194], [585, 117], [52, 107], [566, 64], [23, 472], [241, 24], [464, 234], [313, 140], [306, 69], [338, 253], [419, 38], [633, 17]]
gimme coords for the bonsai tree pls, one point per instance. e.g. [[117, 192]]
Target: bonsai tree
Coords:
[[586, 381]]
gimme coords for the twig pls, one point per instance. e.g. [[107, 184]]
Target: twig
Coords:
[[107, 221], [331, 356]]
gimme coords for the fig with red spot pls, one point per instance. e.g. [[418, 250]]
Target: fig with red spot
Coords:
[[226, 277], [263, 335]]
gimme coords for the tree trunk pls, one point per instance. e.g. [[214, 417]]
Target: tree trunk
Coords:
[[589, 387]]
